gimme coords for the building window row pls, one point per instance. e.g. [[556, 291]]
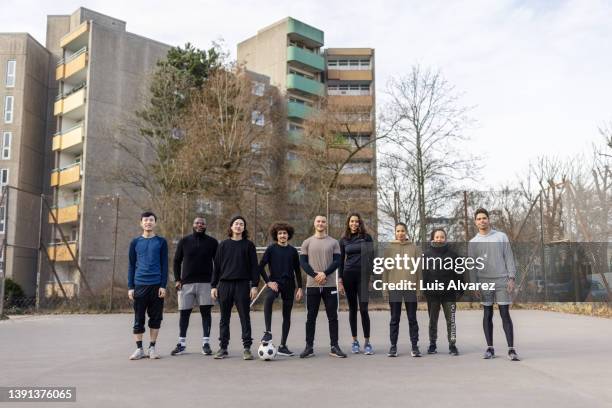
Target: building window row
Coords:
[[6, 145], [11, 70], [9, 106], [348, 89], [349, 64]]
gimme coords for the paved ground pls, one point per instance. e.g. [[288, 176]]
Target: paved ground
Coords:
[[566, 363]]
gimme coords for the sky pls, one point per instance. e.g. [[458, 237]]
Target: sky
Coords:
[[537, 74]]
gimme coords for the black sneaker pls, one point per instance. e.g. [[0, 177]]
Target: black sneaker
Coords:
[[206, 350], [452, 350], [221, 353], [267, 337], [284, 351], [336, 352], [415, 351], [392, 351], [512, 356], [246, 354], [489, 354], [432, 349], [178, 350], [308, 351]]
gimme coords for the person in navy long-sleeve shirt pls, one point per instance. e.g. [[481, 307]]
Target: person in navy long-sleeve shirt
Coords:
[[147, 280]]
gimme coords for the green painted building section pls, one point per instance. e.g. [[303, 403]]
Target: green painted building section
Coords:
[[307, 58], [304, 30], [305, 85]]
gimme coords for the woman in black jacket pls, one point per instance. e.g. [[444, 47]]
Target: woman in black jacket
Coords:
[[353, 279], [439, 269]]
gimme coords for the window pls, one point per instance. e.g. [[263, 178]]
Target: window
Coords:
[[292, 155], [4, 177], [257, 118], [356, 168], [6, 145], [258, 88], [8, 109], [10, 73], [74, 234]]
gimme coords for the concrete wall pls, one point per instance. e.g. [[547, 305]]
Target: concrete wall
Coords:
[[119, 69]]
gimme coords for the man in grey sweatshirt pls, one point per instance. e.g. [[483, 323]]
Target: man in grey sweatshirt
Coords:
[[493, 247]]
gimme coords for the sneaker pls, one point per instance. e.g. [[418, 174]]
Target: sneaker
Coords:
[[432, 349], [415, 351], [489, 354], [392, 351], [153, 354], [267, 337], [355, 348], [512, 356], [221, 353], [336, 352], [284, 351], [452, 350], [308, 351], [178, 350], [138, 354], [246, 354], [206, 350], [368, 349]]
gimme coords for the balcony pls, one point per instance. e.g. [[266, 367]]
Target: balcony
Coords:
[[305, 59], [340, 155], [305, 85], [351, 100], [356, 180], [70, 140], [71, 105], [61, 252], [69, 176], [349, 75], [310, 35], [77, 38], [298, 110], [75, 64], [69, 214]]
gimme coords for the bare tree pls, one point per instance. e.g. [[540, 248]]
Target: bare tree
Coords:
[[425, 124]]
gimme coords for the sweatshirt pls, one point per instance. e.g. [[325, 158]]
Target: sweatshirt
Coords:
[[397, 275], [235, 260], [283, 263], [148, 262], [496, 252], [193, 259], [437, 267]]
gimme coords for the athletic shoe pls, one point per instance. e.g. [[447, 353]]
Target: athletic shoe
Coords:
[[246, 354], [415, 351], [336, 352], [512, 356], [206, 350], [452, 350], [138, 354], [355, 348], [308, 351], [368, 349], [178, 350], [152, 353], [392, 351], [221, 353], [267, 337], [489, 354], [284, 351], [432, 349]]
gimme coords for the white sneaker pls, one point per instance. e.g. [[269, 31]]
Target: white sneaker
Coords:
[[138, 354], [152, 353]]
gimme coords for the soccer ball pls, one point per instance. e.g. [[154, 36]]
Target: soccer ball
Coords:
[[266, 351]]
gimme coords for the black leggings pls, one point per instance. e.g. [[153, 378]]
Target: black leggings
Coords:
[[205, 311], [487, 324], [287, 297], [352, 287]]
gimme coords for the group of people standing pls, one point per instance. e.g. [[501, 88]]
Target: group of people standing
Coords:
[[228, 272]]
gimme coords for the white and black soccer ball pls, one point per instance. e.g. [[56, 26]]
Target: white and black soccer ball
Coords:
[[266, 351]]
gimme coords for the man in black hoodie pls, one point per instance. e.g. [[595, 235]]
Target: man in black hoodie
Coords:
[[235, 279], [439, 267], [193, 266]]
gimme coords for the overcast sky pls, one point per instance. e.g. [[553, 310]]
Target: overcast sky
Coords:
[[538, 73]]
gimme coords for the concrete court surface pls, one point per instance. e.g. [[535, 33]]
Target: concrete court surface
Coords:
[[567, 362]]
